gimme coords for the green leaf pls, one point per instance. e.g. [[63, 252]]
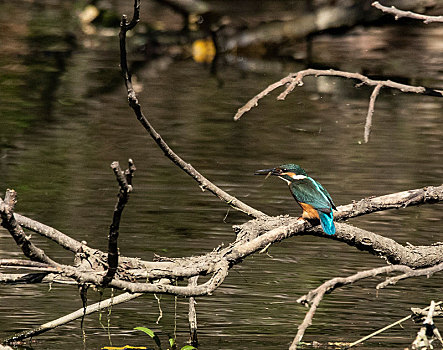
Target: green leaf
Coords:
[[151, 334], [172, 342], [146, 330], [189, 347]]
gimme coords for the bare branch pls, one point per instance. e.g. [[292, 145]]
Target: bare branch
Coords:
[[186, 167], [296, 79], [428, 329], [72, 316], [400, 13], [413, 273], [421, 313], [361, 340], [192, 315], [314, 297], [257, 234], [16, 231], [428, 194], [26, 264], [123, 196], [58, 237], [368, 124]]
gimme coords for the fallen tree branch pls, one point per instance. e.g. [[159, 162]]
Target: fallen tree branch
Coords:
[[322, 18], [251, 237], [400, 13], [186, 267], [257, 234]]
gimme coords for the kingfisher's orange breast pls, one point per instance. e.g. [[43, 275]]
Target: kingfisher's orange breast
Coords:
[[308, 211]]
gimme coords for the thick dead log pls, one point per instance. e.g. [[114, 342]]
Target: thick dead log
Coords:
[[324, 18]]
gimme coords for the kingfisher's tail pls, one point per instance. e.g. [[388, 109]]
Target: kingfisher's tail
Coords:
[[327, 223]]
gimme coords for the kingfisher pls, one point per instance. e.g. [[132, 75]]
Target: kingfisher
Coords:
[[312, 197]]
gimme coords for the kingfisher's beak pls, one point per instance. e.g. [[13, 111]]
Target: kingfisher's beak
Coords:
[[268, 172]]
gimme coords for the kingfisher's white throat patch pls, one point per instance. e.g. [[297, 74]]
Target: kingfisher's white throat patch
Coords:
[[298, 177], [293, 176]]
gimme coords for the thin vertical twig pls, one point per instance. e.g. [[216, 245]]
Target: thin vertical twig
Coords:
[[123, 196], [192, 315], [371, 109]]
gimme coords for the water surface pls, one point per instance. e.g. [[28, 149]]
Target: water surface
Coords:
[[64, 119]]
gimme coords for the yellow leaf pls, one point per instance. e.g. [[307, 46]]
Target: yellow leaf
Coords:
[[203, 50]]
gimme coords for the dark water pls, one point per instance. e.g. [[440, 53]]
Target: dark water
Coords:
[[64, 119]]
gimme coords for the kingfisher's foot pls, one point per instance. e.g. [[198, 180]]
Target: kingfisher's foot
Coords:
[[312, 221]]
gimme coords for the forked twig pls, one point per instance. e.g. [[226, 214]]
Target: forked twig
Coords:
[[314, 297], [124, 179], [296, 79]]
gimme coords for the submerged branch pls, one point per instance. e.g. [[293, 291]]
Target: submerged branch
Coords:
[[72, 316]]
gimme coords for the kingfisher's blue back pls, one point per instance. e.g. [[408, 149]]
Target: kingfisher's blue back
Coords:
[[307, 191]]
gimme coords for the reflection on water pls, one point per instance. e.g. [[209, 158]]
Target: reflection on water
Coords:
[[64, 119]]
